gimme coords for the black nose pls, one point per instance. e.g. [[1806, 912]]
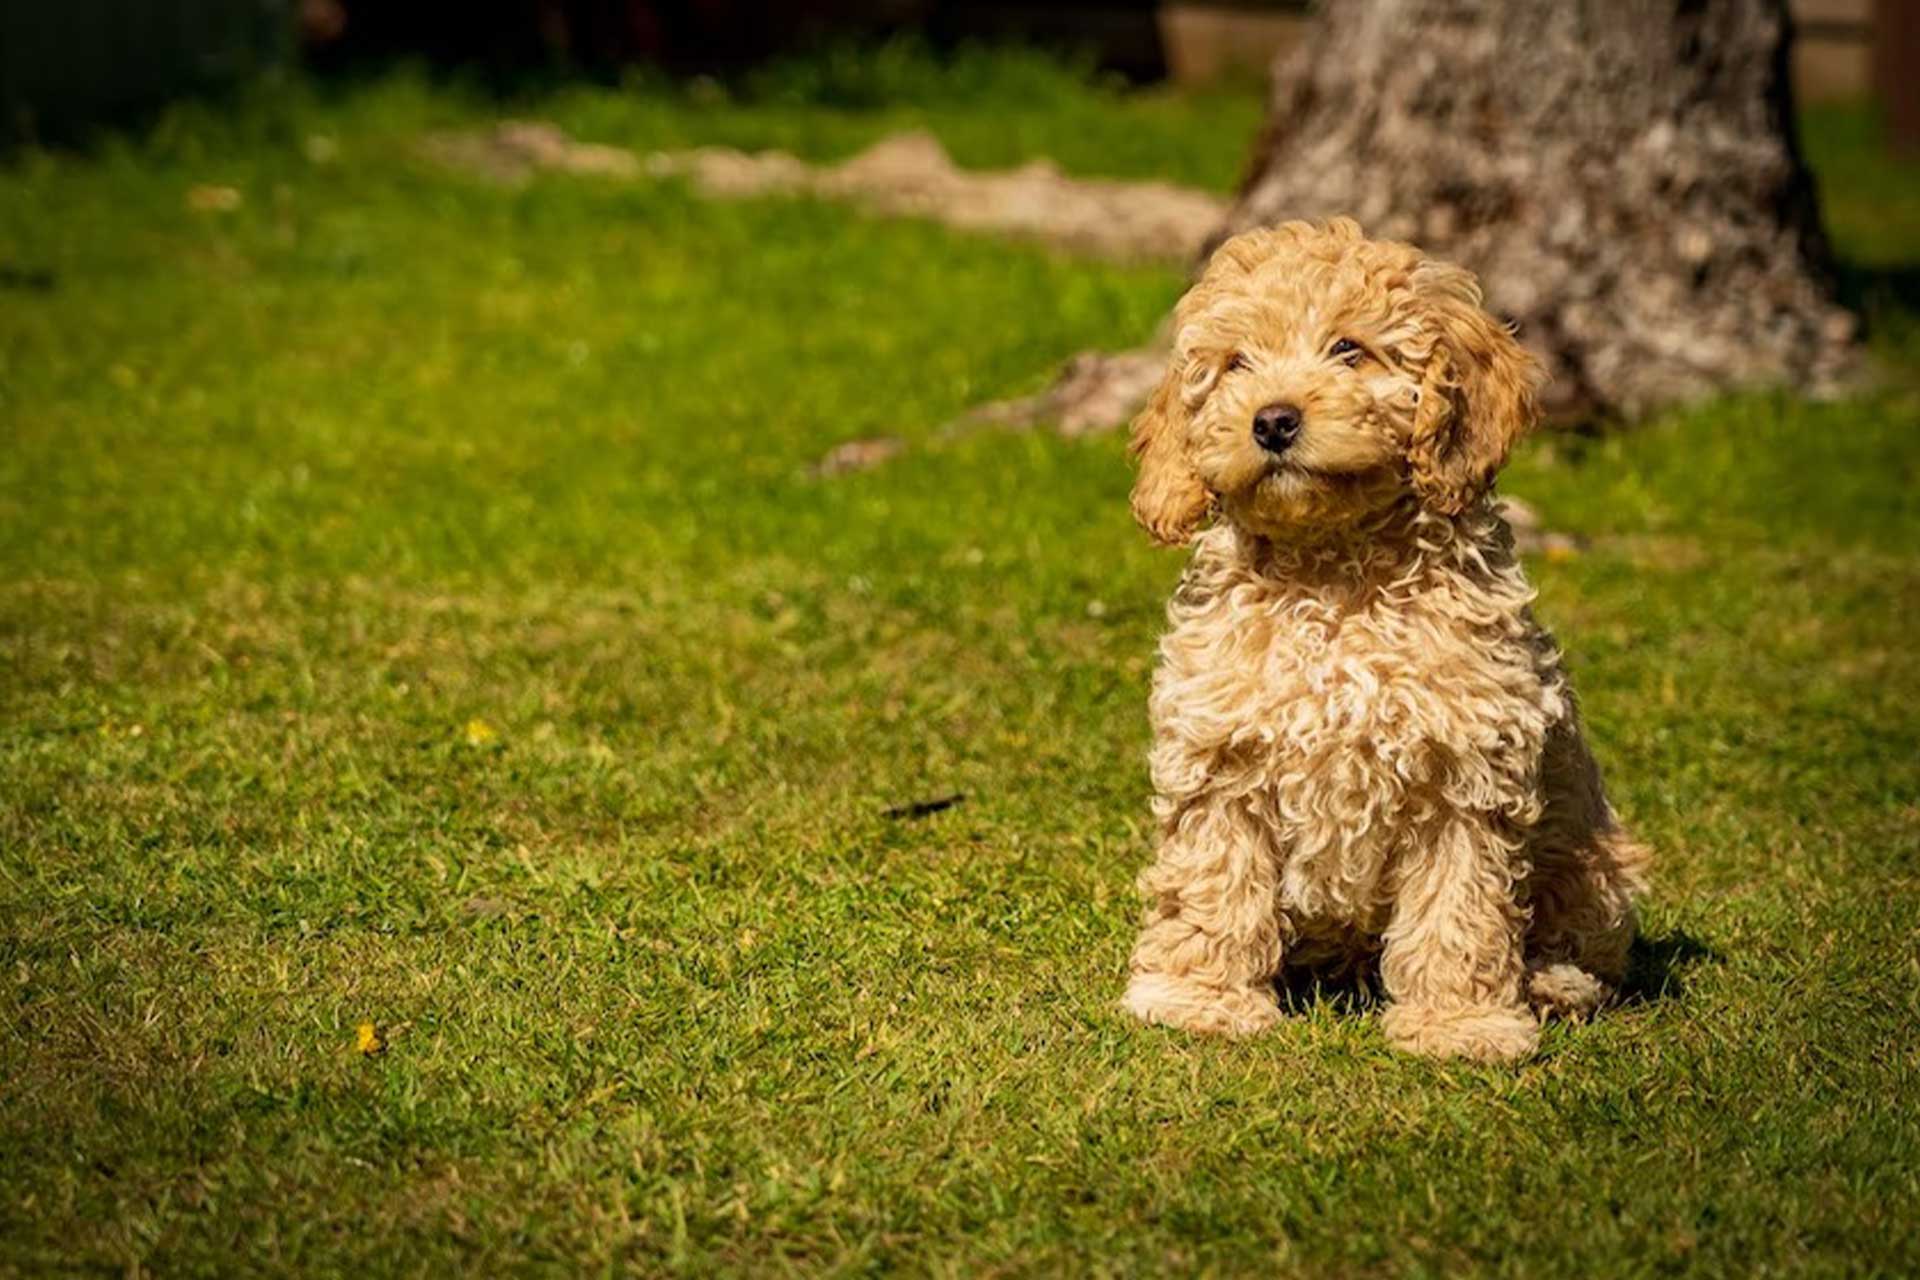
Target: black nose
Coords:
[[1276, 426]]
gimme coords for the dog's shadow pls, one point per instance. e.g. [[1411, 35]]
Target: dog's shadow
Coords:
[[1343, 990], [1658, 968]]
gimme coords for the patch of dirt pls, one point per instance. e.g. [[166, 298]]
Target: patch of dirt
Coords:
[[857, 455], [1095, 391], [909, 174], [514, 150]]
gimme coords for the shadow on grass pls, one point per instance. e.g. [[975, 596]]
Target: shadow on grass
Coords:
[[1657, 971], [1343, 989], [1658, 967]]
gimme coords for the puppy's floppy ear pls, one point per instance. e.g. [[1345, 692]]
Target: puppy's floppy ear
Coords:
[[1169, 500], [1478, 396]]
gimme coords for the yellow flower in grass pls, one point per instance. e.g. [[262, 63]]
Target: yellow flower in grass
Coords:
[[480, 733], [366, 1039]]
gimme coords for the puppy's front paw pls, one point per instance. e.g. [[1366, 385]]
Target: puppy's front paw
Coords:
[[1567, 991], [1485, 1034], [1163, 1000]]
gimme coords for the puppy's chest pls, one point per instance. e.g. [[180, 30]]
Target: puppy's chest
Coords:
[[1312, 693]]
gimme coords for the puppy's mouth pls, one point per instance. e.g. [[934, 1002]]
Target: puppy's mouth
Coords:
[[1290, 473]]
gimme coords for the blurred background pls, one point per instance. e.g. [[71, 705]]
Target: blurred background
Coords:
[[63, 65]]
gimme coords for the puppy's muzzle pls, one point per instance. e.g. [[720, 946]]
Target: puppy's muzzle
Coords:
[[1275, 426]]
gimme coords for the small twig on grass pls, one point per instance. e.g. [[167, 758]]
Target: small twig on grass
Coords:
[[26, 279], [924, 808]]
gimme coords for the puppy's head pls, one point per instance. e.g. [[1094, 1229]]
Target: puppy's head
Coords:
[[1317, 377]]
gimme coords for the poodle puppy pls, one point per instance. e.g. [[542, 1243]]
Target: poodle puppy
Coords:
[[1363, 743]]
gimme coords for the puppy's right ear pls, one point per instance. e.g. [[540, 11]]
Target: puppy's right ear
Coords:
[[1169, 500]]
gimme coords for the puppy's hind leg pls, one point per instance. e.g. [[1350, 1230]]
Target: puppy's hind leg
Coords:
[[1586, 871], [1583, 921], [1211, 944]]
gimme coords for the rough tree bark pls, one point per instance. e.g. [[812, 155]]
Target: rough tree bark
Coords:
[[1622, 174]]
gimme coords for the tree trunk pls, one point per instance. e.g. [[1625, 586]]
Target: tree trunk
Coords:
[[1622, 174]]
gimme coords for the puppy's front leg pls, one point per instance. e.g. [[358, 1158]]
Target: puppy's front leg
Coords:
[[1453, 960], [1211, 945]]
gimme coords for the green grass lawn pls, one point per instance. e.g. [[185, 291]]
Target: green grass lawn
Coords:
[[415, 609]]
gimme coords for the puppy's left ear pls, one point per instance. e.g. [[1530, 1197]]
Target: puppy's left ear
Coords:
[[1478, 397]]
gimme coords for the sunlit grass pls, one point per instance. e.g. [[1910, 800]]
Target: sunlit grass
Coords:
[[415, 609]]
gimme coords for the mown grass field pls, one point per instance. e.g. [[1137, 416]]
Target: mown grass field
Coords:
[[415, 609]]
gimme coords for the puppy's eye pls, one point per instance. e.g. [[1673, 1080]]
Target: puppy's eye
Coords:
[[1348, 350], [1239, 363]]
